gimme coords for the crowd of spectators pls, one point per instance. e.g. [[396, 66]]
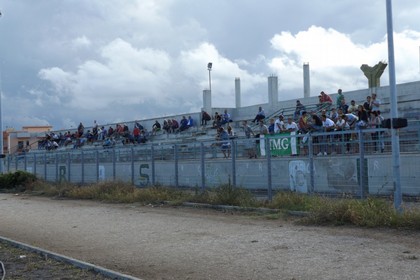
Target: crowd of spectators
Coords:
[[327, 116]]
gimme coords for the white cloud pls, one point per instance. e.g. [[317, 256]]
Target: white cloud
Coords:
[[81, 42], [335, 59]]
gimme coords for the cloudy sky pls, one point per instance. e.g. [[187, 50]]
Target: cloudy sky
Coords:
[[66, 61]]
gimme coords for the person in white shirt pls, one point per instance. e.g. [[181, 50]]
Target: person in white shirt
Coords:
[[279, 124], [291, 126]]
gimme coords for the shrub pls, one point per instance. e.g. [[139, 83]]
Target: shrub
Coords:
[[19, 180]]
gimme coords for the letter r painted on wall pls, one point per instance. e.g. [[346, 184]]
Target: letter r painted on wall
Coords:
[[144, 178]]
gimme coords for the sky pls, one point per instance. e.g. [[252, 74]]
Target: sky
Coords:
[[68, 61]]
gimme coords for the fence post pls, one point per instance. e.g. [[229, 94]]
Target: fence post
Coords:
[[361, 163], [114, 170], [152, 155], [56, 169], [45, 166], [34, 165], [203, 168], [25, 162], [82, 159], [68, 167], [132, 165], [269, 172], [176, 165], [311, 164], [233, 154], [97, 166]]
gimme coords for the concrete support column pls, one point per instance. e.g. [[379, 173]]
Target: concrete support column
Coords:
[[306, 81], [273, 91], [207, 101], [238, 92]]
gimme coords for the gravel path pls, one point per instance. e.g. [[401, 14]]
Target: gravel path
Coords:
[[179, 243]]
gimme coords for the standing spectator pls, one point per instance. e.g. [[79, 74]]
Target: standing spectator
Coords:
[[80, 130], [340, 97], [279, 124], [375, 103], [366, 105], [291, 126], [260, 115], [249, 145], [271, 127], [299, 109], [363, 118]]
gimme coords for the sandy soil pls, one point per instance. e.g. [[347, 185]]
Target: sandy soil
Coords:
[[178, 243]]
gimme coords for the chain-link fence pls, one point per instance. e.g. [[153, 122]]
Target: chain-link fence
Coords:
[[353, 162]]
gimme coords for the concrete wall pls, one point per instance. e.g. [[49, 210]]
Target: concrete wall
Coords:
[[330, 174]]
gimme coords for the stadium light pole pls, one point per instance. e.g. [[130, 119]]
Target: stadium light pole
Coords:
[[395, 138], [1, 123], [209, 66]]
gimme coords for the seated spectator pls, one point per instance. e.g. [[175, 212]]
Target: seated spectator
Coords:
[[143, 137], [260, 115], [183, 124], [166, 126], [352, 108], [217, 120], [139, 125], [325, 100], [136, 134], [298, 110], [303, 123], [226, 118], [230, 131], [190, 122], [156, 127], [175, 125], [344, 107], [108, 143], [205, 117], [110, 132], [333, 115]]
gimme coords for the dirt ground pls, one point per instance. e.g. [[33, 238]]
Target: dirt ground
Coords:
[[21, 264], [180, 243]]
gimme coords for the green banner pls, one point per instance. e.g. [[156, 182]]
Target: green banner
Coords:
[[283, 144]]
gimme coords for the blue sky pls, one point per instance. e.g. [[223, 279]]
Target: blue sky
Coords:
[[63, 62]]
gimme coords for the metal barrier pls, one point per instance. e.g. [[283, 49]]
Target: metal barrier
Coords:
[[352, 162]]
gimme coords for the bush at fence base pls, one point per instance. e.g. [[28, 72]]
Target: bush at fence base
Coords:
[[19, 180]]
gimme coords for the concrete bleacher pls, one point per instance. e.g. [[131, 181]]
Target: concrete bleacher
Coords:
[[408, 106]]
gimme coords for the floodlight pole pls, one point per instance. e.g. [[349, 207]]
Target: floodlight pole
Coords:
[[395, 138], [209, 66], [1, 123]]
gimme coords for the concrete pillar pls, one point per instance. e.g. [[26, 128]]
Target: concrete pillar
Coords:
[[207, 101], [273, 91], [306, 81], [238, 92]]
